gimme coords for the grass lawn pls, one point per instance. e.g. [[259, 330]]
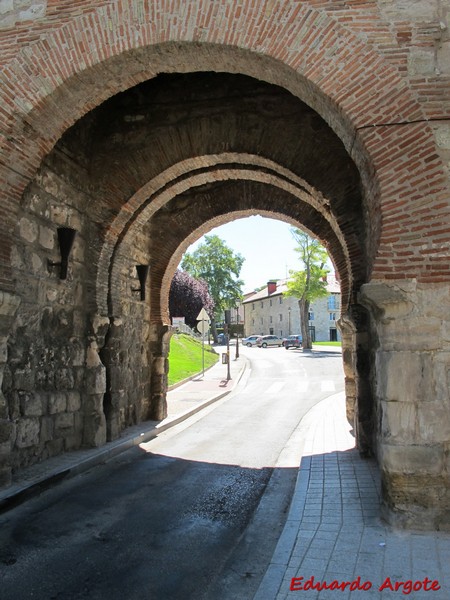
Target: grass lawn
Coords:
[[327, 343], [185, 357]]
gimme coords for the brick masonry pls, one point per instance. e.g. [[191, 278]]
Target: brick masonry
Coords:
[[144, 124]]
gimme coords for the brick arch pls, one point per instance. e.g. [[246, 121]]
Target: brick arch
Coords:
[[361, 104], [192, 173]]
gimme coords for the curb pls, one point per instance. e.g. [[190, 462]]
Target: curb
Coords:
[[11, 498]]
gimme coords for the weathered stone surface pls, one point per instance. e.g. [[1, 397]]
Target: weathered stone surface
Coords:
[[412, 459], [356, 163], [57, 403], [27, 432], [398, 424]]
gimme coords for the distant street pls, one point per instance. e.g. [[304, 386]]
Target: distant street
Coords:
[[179, 517]]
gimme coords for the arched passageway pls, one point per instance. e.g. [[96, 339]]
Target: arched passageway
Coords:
[[148, 142]]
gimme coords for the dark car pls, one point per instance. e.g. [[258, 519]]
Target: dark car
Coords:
[[293, 341]]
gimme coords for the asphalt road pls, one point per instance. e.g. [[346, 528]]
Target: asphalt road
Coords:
[[195, 513]]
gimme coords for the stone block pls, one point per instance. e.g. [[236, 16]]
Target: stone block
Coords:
[[433, 423], [96, 380], [47, 428], [416, 460], [63, 421], [64, 379], [28, 230], [398, 422], [442, 134], [412, 334], [31, 405], [27, 432], [57, 403], [441, 377], [46, 237], [6, 431], [54, 447], [73, 441], [399, 376], [24, 380], [94, 434], [421, 62], [73, 401]]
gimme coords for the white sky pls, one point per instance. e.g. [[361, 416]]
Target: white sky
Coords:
[[266, 244]]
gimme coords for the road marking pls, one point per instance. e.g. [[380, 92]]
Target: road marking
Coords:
[[275, 387], [327, 385], [303, 386]]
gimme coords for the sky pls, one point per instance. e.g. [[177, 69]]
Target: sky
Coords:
[[266, 244]]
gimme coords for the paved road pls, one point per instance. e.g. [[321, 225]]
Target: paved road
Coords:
[[179, 517]]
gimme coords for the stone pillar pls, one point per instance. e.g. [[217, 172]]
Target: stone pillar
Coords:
[[8, 308], [159, 346], [412, 399], [357, 351], [94, 433]]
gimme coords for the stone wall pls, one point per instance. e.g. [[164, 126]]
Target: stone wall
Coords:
[[412, 393], [72, 378], [126, 120]]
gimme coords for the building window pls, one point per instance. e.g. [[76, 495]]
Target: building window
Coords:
[[262, 304], [253, 321], [271, 330], [281, 317], [271, 302], [253, 306], [311, 316], [271, 320], [333, 334], [281, 299], [332, 316]]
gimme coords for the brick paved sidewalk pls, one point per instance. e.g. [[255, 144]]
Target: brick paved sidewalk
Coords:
[[334, 530]]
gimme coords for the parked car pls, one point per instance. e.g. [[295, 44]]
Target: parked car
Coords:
[[222, 338], [250, 340], [268, 340], [293, 341]]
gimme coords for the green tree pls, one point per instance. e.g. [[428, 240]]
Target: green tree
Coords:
[[217, 264], [310, 283]]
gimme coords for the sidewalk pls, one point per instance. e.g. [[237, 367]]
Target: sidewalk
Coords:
[[183, 401], [334, 531]]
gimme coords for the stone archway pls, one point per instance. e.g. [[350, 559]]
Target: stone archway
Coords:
[[350, 81]]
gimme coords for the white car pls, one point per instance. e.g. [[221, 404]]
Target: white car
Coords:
[[250, 340], [269, 340]]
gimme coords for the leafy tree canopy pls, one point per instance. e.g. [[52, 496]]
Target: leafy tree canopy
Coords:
[[308, 284], [218, 265], [188, 296]]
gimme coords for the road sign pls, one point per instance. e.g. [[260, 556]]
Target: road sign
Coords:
[[203, 327], [203, 316]]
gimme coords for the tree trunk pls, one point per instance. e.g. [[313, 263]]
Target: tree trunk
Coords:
[[304, 323]]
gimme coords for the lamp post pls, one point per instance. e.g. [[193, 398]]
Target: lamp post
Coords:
[[237, 332], [227, 333], [289, 320]]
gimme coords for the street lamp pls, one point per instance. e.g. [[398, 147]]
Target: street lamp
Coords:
[[237, 332], [289, 320]]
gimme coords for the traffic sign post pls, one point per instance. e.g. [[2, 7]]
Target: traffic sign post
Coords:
[[203, 328]]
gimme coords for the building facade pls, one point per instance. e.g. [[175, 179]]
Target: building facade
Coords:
[[269, 311]]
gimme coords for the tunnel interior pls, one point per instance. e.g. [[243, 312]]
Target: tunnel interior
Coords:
[[140, 177]]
